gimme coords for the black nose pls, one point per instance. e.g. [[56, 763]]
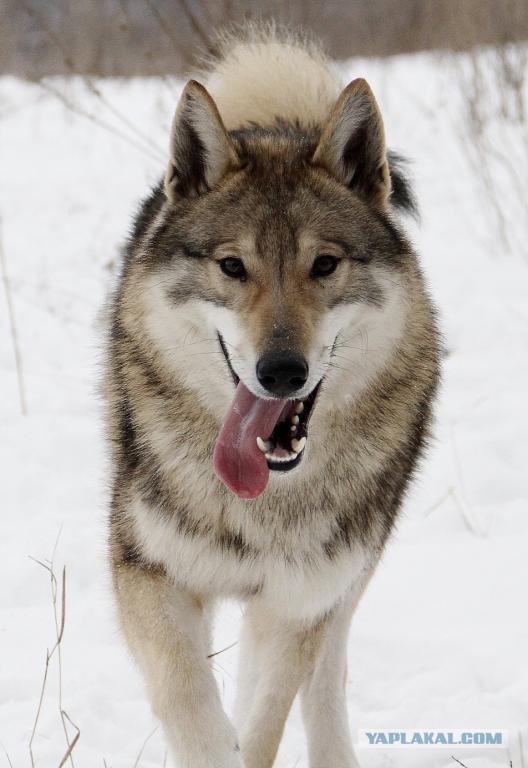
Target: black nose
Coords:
[[282, 373]]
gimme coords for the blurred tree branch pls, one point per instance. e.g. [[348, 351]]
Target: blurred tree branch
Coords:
[[64, 36]]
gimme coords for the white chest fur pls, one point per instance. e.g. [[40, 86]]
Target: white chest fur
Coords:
[[299, 585]]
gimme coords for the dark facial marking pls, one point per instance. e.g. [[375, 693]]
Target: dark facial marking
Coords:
[[363, 288], [191, 252], [228, 361]]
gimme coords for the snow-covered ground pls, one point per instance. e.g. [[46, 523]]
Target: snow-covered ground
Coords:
[[441, 638]]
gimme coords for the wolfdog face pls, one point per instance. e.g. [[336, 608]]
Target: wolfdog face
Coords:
[[274, 249]]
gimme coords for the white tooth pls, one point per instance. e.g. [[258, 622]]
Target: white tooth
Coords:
[[293, 429], [299, 408], [280, 459], [298, 445], [295, 420], [264, 445]]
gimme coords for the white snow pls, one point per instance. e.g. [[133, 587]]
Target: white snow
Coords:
[[441, 638]]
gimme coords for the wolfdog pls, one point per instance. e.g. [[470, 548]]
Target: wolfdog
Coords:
[[272, 362]]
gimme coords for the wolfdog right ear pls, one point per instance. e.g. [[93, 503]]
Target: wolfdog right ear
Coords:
[[201, 151], [352, 144]]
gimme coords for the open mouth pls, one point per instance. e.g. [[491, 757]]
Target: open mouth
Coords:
[[284, 448], [259, 435]]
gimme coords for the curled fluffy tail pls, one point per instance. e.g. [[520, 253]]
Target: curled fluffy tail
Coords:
[[264, 72]]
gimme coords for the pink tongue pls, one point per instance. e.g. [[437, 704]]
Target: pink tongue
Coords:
[[238, 461]]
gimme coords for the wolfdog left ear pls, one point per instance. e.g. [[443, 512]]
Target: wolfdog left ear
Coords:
[[201, 151], [352, 144]]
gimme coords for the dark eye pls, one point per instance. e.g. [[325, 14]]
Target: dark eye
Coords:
[[233, 267], [324, 266]]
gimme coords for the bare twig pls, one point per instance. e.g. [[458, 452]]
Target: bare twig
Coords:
[[123, 118], [458, 761], [71, 745], [195, 24], [142, 748], [59, 629], [162, 23], [58, 595], [88, 81], [39, 708], [13, 328], [55, 39], [474, 525], [96, 120], [7, 756], [493, 86], [227, 648], [129, 26], [444, 497]]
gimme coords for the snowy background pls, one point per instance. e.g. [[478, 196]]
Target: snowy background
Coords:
[[441, 637]]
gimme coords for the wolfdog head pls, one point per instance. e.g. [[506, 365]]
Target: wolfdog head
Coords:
[[275, 248]]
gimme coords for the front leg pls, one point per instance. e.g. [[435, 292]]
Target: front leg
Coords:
[[323, 696], [167, 632], [276, 656]]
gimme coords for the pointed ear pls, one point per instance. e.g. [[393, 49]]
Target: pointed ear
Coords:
[[201, 151], [352, 144]]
